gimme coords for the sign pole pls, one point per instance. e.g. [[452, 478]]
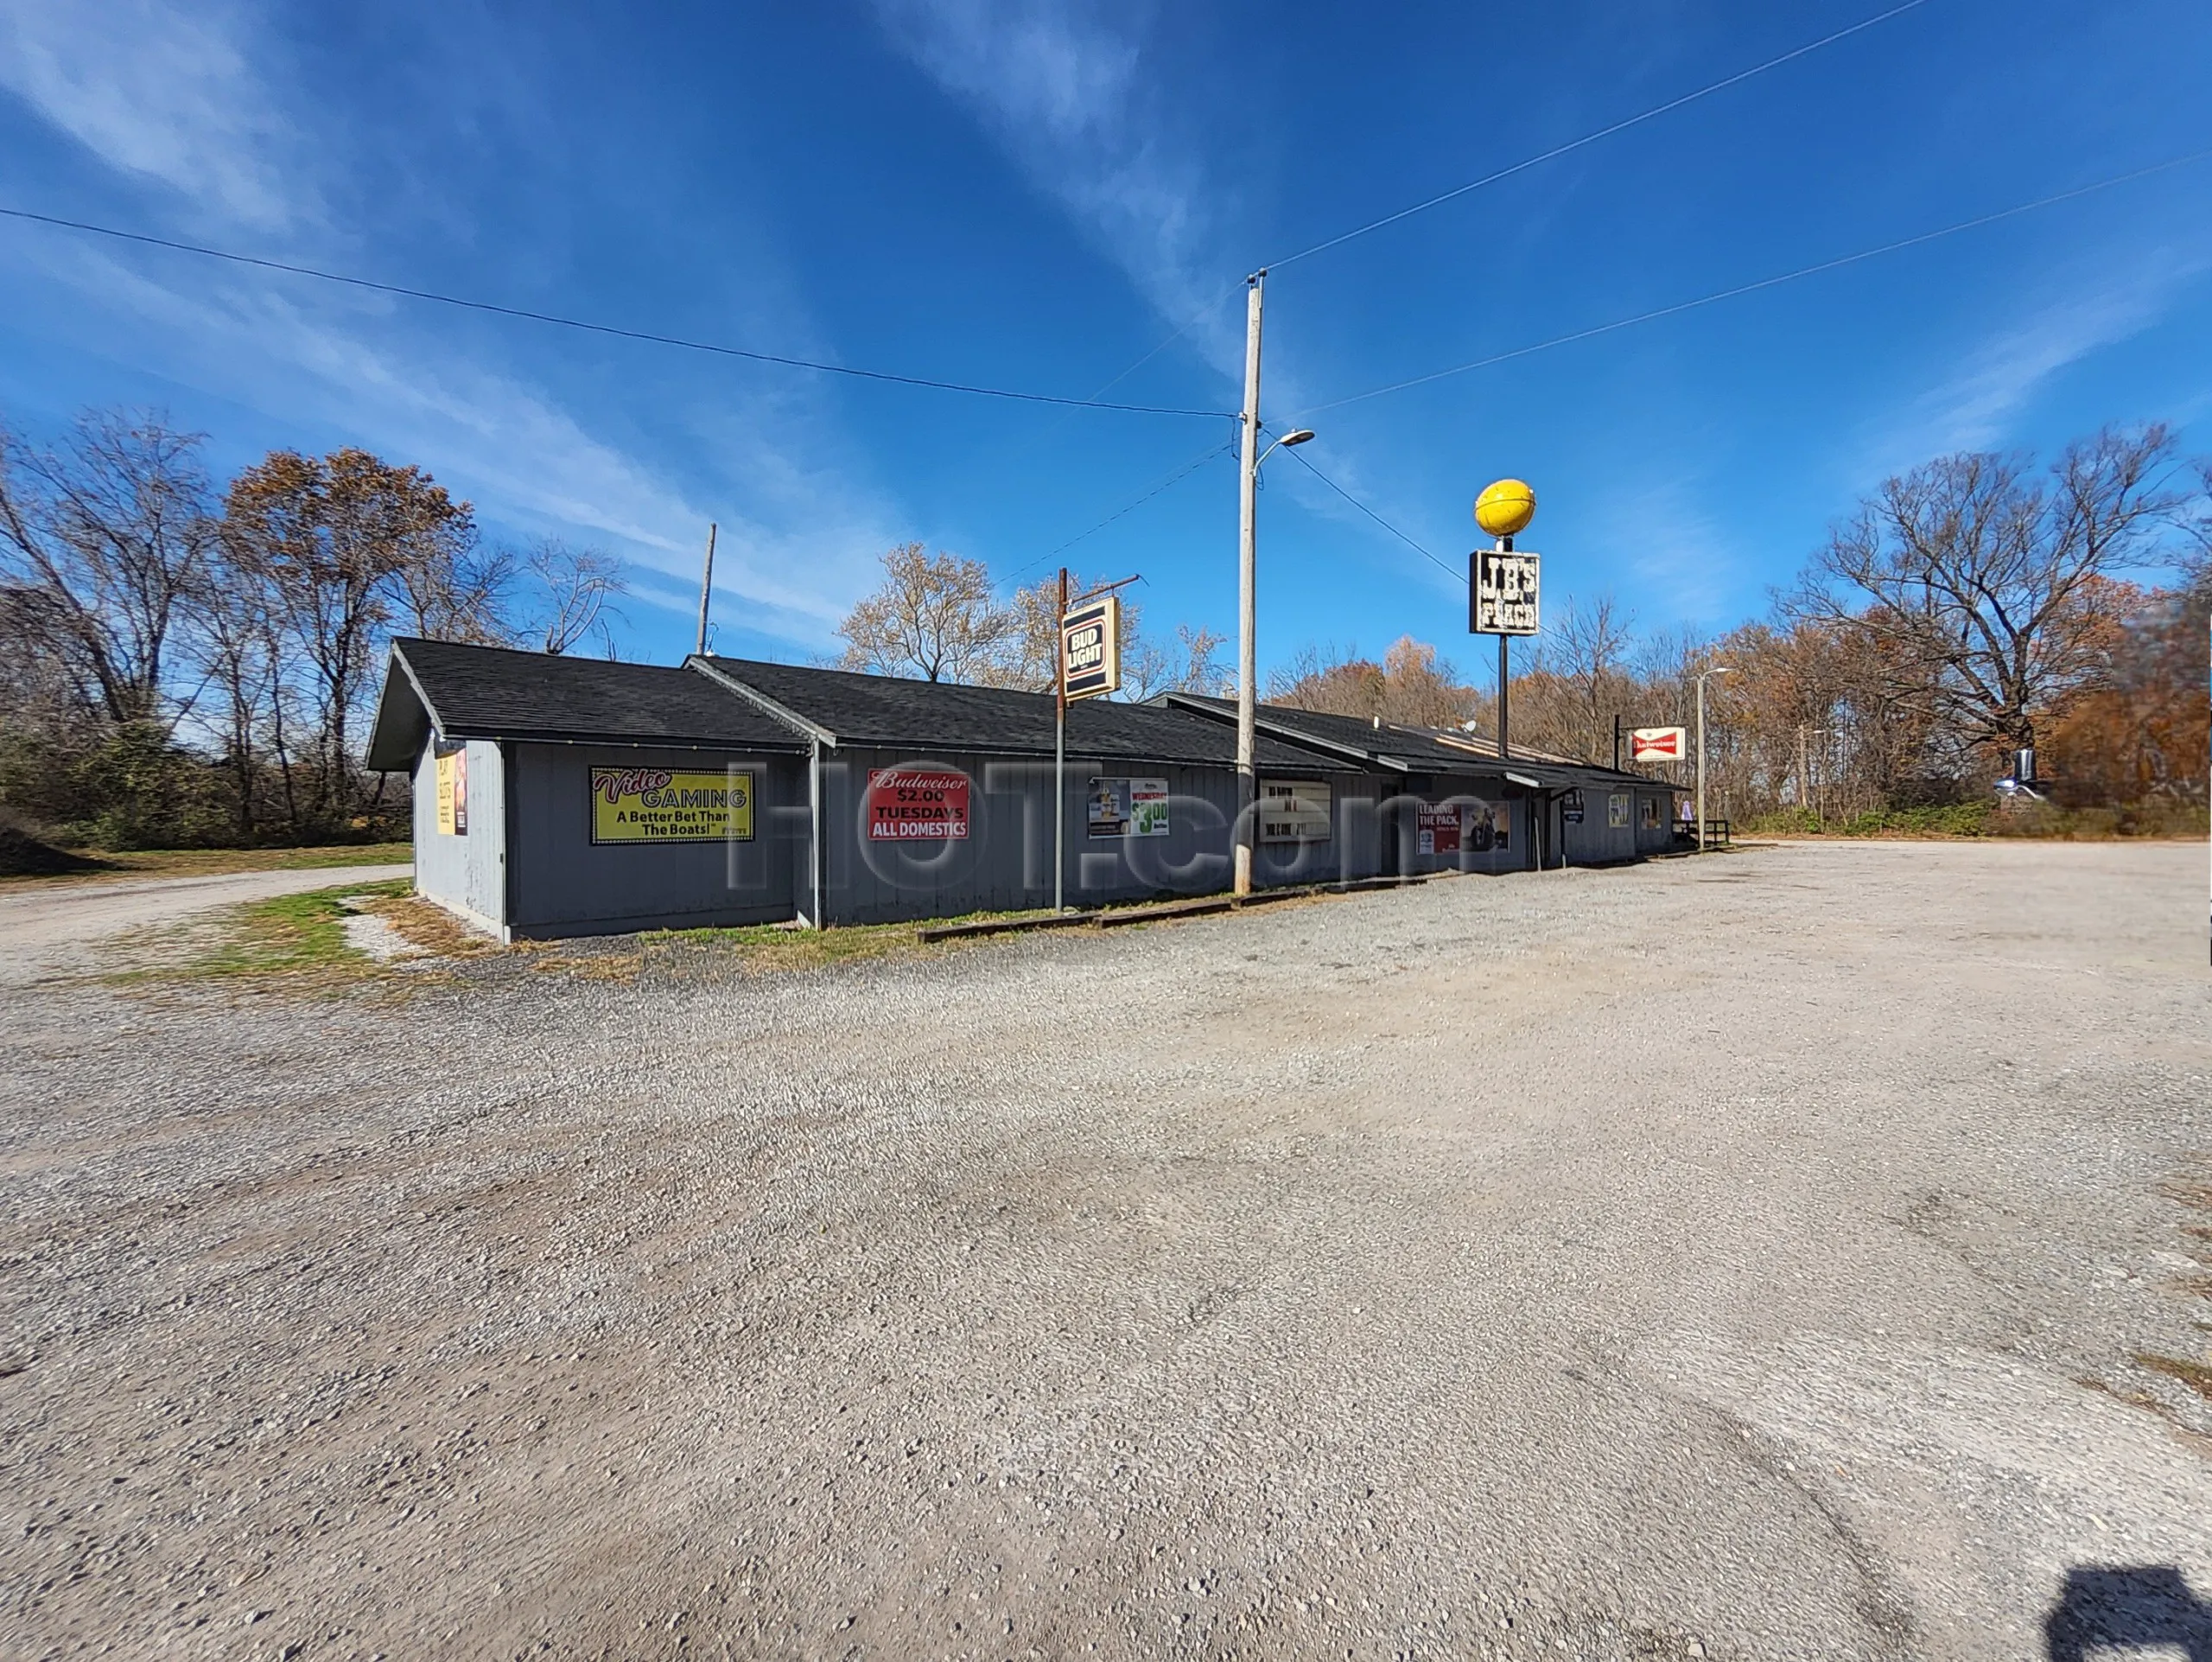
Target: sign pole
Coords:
[[1060, 750], [1700, 764], [1505, 676]]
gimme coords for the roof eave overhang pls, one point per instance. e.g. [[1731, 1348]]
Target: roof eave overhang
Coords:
[[376, 756], [637, 740]]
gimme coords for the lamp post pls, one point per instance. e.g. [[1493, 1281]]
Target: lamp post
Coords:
[[1247, 584], [1718, 669]]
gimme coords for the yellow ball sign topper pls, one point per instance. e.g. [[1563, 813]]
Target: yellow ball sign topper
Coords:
[[1505, 508]]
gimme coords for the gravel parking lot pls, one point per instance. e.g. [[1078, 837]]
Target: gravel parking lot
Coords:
[[1740, 1258]]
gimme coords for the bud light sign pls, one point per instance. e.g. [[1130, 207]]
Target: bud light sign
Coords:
[[917, 804]]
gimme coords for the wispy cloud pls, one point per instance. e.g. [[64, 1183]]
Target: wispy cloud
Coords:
[[1063, 94], [166, 94], [1679, 560], [1066, 96], [158, 93], [1978, 401]]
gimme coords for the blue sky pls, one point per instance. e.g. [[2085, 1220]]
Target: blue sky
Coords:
[[1037, 196]]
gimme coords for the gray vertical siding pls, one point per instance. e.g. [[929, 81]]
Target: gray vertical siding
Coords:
[[1399, 820], [1596, 841], [1662, 839], [534, 799], [565, 884], [465, 875], [1005, 864]]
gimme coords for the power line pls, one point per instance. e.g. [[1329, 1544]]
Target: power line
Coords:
[[646, 335], [1377, 518], [1174, 479], [1518, 167], [1602, 132], [1764, 283], [1196, 318]]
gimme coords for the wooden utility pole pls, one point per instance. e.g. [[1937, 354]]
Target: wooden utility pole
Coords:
[[1248, 508], [706, 589], [1060, 747]]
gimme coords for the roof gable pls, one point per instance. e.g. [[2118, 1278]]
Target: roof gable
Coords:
[[494, 692], [890, 712], [1408, 749]]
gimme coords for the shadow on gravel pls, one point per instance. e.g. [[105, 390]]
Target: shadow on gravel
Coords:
[[2127, 1610]]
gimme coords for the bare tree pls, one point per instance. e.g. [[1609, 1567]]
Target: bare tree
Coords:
[[933, 618], [1329, 680], [1588, 649], [1030, 656], [453, 588], [1413, 686], [112, 532], [1980, 586], [236, 644], [580, 585], [1201, 649], [1149, 667], [1421, 688], [335, 537]]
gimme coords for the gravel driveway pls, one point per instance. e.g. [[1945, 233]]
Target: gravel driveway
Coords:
[[43, 925], [1736, 1257]]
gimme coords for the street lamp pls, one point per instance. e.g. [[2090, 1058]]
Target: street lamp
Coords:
[[1248, 593], [1718, 669]]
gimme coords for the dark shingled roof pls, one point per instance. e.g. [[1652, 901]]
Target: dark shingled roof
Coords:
[[1408, 749], [940, 716], [490, 692]]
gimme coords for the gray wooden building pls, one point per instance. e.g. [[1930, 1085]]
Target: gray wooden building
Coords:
[[1146, 804], [1446, 802], [560, 796], [514, 753]]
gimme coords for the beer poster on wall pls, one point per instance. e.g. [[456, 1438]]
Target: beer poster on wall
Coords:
[[1127, 808], [452, 762], [917, 804], [1454, 827], [1436, 828], [657, 805]]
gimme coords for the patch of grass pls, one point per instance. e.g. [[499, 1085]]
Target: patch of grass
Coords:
[[2195, 1375], [428, 927], [1991, 819], [767, 946], [757, 948], [300, 937], [1962, 819], [208, 863], [2193, 1190]]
